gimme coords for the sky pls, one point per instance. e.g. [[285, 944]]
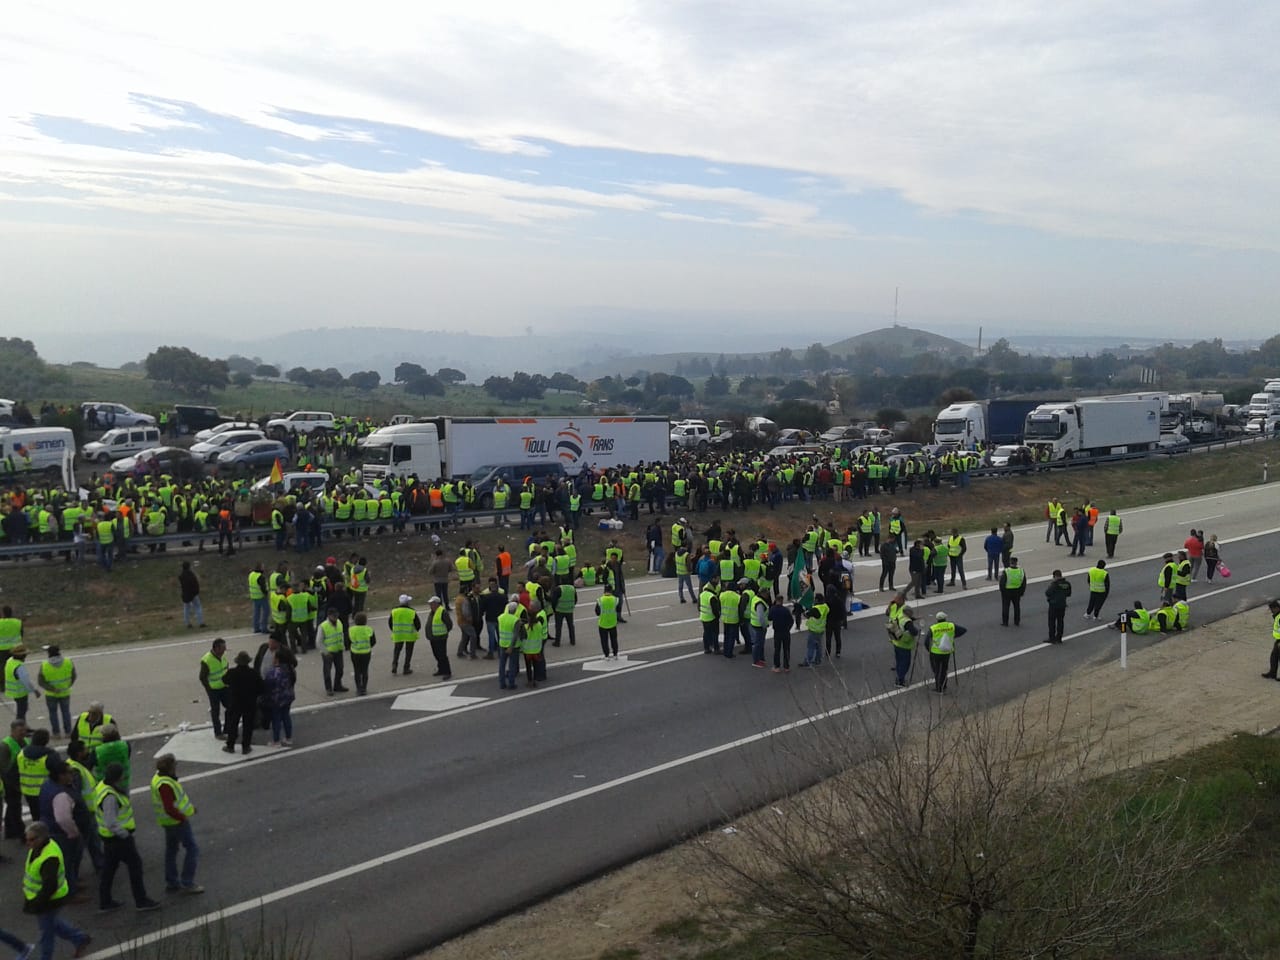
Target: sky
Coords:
[[255, 168]]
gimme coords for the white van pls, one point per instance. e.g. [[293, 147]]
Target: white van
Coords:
[[35, 450], [300, 421], [208, 450], [690, 434], [120, 443]]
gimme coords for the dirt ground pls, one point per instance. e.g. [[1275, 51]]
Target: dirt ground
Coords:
[[1190, 689]]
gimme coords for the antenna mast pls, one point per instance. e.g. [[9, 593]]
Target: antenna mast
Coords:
[[895, 306]]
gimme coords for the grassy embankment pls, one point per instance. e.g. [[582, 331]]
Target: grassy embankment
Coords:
[[1226, 909], [139, 599]]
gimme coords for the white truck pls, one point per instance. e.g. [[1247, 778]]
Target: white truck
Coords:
[[991, 422], [1094, 427], [25, 452], [446, 447]]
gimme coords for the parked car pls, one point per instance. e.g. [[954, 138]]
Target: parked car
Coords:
[[690, 435], [798, 450], [108, 415], [905, 446], [762, 427], [878, 435], [792, 437], [300, 421], [1172, 442], [208, 450], [841, 435], [189, 418], [251, 456], [204, 435], [1011, 454], [315, 480], [120, 443], [6, 411], [172, 460]]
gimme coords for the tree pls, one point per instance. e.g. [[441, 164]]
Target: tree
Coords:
[[798, 413], [365, 380], [424, 384], [560, 382], [300, 376], [242, 379], [797, 388], [715, 386], [979, 835], [239, 364], [268, 371], [817, 358], [406, 371], [182, 367], [955, 395], [450, 375], [330, 378], [888, 416]]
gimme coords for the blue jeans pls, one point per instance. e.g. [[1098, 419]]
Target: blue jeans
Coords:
[[282, 721], [757, 643], [684, 581], [280, 539], [13, 943], [51, 926], [902, 663], [730, 639], [106, 552], [193, 609], [261, 616], [508, 664], [813, 652], [659, 557], [59, 707], [180, 835], [491, 626]]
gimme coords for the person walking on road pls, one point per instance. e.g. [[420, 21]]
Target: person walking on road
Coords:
[[782, 619], [404, 625], [213, 673], [903, 634], [1056, 594], [467, 610], [510, 636], [174, 810], [189, 589], [278, 687], [956, 549], [888, 562], [18, 684], [333, 641], [45, 891], [1013, 584], [1274, 608], [439, 623], [116, 826], [89, 724], [361, 642], [34, 763], [1165, 579], [1079, 533], [993, 546], [1111, 532], [1194, 547], [113, 749], [1181, 576], [1006, 544], [258, 598], [942, 643], [57, 675], [22, 949], [1212, 556], [607, 622], [244, 687], [10, 748], [58, 800], [1099, 588]]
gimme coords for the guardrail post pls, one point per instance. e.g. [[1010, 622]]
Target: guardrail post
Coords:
[[1265, 465]]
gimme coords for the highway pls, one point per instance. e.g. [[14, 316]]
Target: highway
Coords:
[[405, 819]]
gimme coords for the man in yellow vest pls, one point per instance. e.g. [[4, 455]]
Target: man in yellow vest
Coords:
[[10, 634], [942, 643], [439, 623], [607, 622], [174, 810], [213, 672], [1274, 608], [404, 625], [18, 685], [1114, 527], [116, 825], [88, 728], [1099, 588], [45, 891], [333, 641], [57, 675]]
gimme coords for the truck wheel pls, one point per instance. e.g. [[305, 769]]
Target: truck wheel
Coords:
[[486, 501], [1068, 455], [702, 446], [104, 457]]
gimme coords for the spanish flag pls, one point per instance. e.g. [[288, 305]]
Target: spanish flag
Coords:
[[277, 475]]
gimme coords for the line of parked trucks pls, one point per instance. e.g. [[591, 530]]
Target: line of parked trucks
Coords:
[[1098, 426]]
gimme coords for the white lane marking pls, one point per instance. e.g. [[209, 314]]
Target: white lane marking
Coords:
[[526, 812], [649, 609], [600, 665], [675, 623], [1215, 516], [433, 699]]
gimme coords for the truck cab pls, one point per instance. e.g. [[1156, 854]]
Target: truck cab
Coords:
[[402, 450], [960, 425]]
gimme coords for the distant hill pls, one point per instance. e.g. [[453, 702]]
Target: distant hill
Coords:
[[901, 340]]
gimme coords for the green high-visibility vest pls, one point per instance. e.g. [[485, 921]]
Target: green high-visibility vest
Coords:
[[217, 670], [682, 564], [33, 879], [536, 634], [1113, 524], [727, 569], [300, 610], [608, 611], [331, 637], [402, 628], [730, 603], [1097, 580], [507, 629], [562, 564], [32, 773], [817, 618], [90, 734], [180, 800], [940, 555], [106, 531], [438, 627], [58, 678], [10, 633], [361, 638], [567, 599], [1013, 577], [100, 793], [942, 637], [463, 566], [706, 613], [759, 611]]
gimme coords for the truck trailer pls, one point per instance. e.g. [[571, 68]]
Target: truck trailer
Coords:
[[1095, 427], [453, 447], [990, 422]]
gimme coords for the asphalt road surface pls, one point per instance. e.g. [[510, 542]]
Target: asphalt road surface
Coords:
[[402, 824]]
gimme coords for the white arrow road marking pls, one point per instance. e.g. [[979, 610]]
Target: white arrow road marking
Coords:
[[620, 662], [434, 700], [200, 746]]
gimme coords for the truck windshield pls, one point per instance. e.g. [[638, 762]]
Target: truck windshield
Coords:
[[379, 454], [1044, 429], [482, 474], [944, 427]]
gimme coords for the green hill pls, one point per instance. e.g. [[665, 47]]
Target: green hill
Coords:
[[902, 341]]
